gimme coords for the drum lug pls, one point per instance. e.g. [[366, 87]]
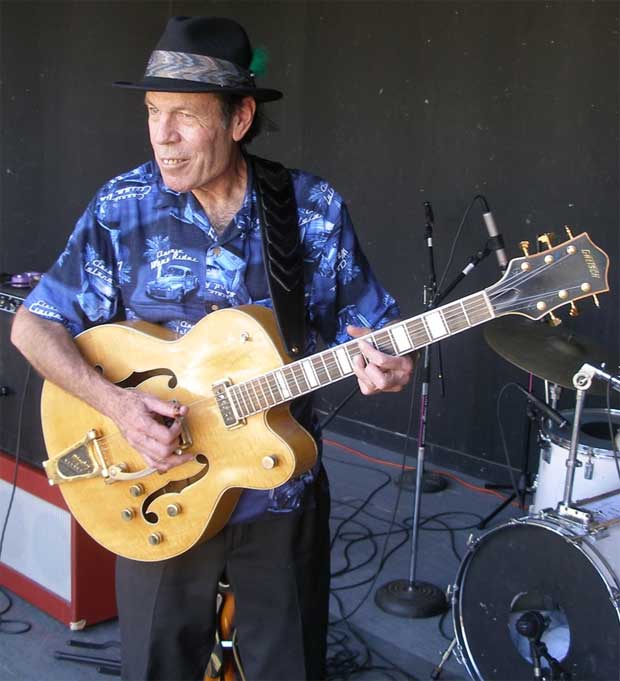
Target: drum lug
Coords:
[[472, 542], [451, 592], [546, 451], [588, 470]]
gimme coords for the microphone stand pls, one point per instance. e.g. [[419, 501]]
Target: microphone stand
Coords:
[[409, 597]]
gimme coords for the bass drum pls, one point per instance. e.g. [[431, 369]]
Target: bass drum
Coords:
[[546, 565], [597, 473]]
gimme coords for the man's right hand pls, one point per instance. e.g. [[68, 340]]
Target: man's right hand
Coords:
[[142, 420]]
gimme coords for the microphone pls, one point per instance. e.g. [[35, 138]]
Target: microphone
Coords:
[[543, 407], [496, 240], [428, 213], [430, 221]]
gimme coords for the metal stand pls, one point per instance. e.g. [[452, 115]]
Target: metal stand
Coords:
[[410, 598], [522, 485]]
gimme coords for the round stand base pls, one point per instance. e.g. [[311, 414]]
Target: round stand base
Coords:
[[430, 482], [418, 600]]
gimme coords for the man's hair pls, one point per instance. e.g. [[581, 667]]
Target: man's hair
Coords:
[[229, 103]]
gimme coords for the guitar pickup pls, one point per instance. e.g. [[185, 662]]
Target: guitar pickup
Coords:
[[225, 404], [80, 461]]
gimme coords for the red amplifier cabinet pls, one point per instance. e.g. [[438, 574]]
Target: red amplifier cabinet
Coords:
[[47, 558]]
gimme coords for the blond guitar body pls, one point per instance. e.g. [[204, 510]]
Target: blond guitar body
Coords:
[[145, 515]]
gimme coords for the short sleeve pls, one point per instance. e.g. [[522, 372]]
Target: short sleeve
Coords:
[[80, 289]]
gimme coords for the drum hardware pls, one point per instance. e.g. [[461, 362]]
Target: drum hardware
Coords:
[[536, 411], [595, 468], [532, 625]]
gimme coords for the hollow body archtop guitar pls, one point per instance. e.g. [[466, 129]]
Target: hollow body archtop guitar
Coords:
[[232, 371]]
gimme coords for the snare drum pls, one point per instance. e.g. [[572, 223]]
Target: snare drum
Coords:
[[597, 473], [568, 574]]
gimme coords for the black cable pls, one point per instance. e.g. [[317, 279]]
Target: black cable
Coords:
[[14, 626], [396, 501], [346, 665], [457, 236], [503, 437]]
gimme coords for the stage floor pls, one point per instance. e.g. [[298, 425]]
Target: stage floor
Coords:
[[381, 645]]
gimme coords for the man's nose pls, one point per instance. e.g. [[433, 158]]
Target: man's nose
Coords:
[[164, 130]]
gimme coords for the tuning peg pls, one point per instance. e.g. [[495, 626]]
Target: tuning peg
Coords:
[[546, 239], [569, 231], [525, 247], [553, 320], [596, 301], [574, 310]]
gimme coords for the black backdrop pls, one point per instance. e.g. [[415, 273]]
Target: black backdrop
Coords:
[[396, 103]]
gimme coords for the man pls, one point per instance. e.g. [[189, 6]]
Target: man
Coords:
[[170, 242]]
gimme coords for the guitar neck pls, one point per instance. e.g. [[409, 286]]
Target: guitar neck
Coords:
[[329, 366]]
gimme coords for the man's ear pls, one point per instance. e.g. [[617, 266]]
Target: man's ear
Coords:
[[243, 117]]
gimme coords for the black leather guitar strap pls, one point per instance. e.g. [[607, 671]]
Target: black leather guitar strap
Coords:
[[282, 250]]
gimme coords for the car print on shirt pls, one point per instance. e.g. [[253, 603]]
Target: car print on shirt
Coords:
[[174, 283]]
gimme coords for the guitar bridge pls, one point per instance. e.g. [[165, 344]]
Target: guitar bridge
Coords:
[[225, 404], [80, 461]]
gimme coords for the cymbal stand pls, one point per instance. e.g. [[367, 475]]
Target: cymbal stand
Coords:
[[582, 381]]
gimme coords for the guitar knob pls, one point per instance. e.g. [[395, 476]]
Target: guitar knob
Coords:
[[525, 247], [127, 514], [173, 510], [155, 538], [270, 461], [136, 490]]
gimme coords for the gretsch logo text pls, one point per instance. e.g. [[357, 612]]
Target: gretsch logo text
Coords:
[[592, 266]]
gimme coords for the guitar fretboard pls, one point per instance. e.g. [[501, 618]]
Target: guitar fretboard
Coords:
[[326, 367]]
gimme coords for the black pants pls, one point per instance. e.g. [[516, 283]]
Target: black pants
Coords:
[[278, 569]]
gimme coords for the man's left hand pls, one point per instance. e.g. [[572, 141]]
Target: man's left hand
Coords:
[[380, 372]]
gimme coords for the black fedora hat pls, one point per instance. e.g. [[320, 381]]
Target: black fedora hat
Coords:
[[202, 54]]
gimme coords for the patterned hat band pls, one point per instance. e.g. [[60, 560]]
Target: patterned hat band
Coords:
[[198, 68]]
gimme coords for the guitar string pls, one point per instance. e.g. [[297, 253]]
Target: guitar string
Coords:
[[459, 310]]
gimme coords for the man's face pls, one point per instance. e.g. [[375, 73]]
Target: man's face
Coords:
[[191, 144]]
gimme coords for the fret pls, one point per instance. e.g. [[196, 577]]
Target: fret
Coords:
[[300, 378], [308, 370], [465, 312], [477, 309], [343, 360], [331, 365], [252, 385], [320, 370], [242, 401], [417, 329], [269, 401], [402, 343], [282, 384], [232, 391], [454, 318], [435, 325], [245, 391], [291, 381], [385, 343], [487, 302], [275, 389], [274, 398]]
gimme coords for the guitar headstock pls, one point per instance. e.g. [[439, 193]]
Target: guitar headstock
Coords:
[[535, 285]]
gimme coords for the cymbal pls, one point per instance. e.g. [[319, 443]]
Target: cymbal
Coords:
[[550, 353]]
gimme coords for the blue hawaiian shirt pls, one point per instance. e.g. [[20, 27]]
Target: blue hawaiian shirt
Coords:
[[143, 251]]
